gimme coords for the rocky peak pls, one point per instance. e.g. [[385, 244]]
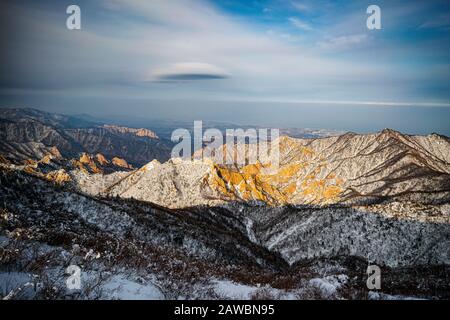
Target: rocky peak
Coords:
[[55, 152], [151, 165], [47, 159], [146, 133], [389, 133], [141, 132], [100, 164], [101, 159], [85, 158], [58, 176], [121, 163]]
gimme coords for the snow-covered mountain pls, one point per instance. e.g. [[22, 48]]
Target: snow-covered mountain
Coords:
[[353, 170], [194, 228], [384, 196], [134, 249], [30, 134]]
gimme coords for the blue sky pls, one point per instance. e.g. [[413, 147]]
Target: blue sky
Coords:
[[215, 55]]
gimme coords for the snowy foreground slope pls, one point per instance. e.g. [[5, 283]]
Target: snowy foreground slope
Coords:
[[128, 249]]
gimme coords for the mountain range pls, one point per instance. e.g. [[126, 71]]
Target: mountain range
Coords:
[[110, 198], [30, 134]]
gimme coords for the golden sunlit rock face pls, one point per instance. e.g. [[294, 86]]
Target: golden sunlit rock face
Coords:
[[55, 152], [101, 159], [261, 182], [87, 160], [99, 164], [58, 176], [301, 177], [30, 162], [120, 163]]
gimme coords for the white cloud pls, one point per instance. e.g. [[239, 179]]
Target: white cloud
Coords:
[[343, 42], [162, 43], [300, 24]]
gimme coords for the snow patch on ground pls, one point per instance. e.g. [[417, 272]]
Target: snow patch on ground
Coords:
[[233, 290], [250, 232], [329, 285], [118, 287], [372, 295]]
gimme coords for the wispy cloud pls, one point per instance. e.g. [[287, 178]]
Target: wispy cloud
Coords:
[[443, 21], [343, 42], [142, 45], [300, 24]]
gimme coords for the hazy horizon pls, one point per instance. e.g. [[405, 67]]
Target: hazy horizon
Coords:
[[403, 119]]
